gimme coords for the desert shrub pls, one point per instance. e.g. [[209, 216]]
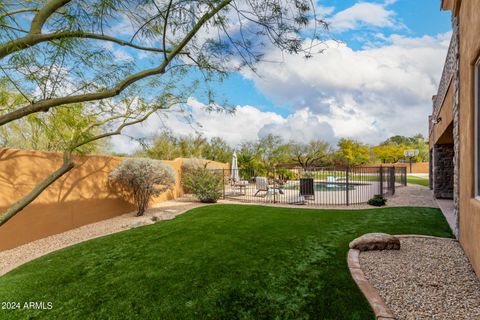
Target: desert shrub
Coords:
[[285, 174], [143, 179], [204, 183], [378, 200]]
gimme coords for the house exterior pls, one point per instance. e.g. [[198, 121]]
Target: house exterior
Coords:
[[455, 127]]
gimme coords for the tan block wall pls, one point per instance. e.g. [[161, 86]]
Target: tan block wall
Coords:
[[469, 28], [80, 197], [417, 167]]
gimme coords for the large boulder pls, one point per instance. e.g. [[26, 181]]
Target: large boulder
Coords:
[[375, 241]]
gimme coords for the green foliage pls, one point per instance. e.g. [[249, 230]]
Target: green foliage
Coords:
[[352, 152], [166, 146], [217, 149], [271, 150], [285, 174], [389, 153], [311, 154], [378, 201], [215, 262], [204, 183], [51, 131], [391, 150]]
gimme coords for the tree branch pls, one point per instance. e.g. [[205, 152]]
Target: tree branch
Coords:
[[32, 40], [45, 105], [45, 13], [37, 190], [13, 12]]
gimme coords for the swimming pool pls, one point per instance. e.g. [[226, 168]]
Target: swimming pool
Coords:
[[329, 186]]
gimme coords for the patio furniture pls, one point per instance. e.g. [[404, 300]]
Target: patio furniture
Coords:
[[241, 186], [332, 179], [262, 185]]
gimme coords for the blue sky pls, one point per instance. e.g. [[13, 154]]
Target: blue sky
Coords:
[[419, 17], [376, 83]]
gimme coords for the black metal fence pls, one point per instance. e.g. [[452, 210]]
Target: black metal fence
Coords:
[[314, 186]]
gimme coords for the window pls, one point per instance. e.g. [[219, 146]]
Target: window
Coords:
[[477, 130]]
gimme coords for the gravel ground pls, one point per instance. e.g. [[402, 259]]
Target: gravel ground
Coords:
[[13, 258], [425, 279]]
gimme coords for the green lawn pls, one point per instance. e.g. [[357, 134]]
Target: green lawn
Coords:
[[417, 180], [216, 262]]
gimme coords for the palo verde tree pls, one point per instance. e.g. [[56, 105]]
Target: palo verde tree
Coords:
[[310, 154], [121, 58]]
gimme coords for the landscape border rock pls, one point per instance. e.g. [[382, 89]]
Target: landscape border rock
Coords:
[[375, 241]]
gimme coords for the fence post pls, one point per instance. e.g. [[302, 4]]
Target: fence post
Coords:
[[347, 193], [274, 186], [381, 180], [223, 183], [405, 176], [392, 178]]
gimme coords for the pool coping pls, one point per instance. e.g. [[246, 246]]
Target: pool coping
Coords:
[[378, 305]]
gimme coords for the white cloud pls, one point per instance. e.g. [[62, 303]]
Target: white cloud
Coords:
[[364, 14], [247, 124], [120, 55], [368, 94]]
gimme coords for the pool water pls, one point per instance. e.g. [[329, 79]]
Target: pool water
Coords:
[[329, 186]]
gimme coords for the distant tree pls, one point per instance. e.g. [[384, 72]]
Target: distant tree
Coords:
[[402, 142], [271, 150], [310, 154], [217, 149], [164, 147], [192, 146], [352, 152], [388, 153], [247, 156], [397, 140]]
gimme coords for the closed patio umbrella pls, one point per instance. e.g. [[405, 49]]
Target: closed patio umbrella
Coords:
[[234, 175]]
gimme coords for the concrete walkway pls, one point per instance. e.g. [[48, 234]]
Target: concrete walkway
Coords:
[[447, 208], [412, 196]]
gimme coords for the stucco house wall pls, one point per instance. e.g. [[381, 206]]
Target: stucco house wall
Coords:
[[457, 124]]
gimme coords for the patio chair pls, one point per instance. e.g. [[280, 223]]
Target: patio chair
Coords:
[[333, 179], [261, 183]]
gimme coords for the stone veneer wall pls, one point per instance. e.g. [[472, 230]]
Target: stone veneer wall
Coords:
[[456, 122], [443, 171], [430, 170]]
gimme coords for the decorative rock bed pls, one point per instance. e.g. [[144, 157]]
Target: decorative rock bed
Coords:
[[428, 278]]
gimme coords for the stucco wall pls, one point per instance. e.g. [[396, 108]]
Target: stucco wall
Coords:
[[417, 167], [469, 217], [442, 131], [81, 197]]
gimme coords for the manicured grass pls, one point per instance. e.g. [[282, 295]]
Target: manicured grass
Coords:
[[417, 180], [216, 262]]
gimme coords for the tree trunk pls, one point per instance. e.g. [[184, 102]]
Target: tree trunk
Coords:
[[37, 190]]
